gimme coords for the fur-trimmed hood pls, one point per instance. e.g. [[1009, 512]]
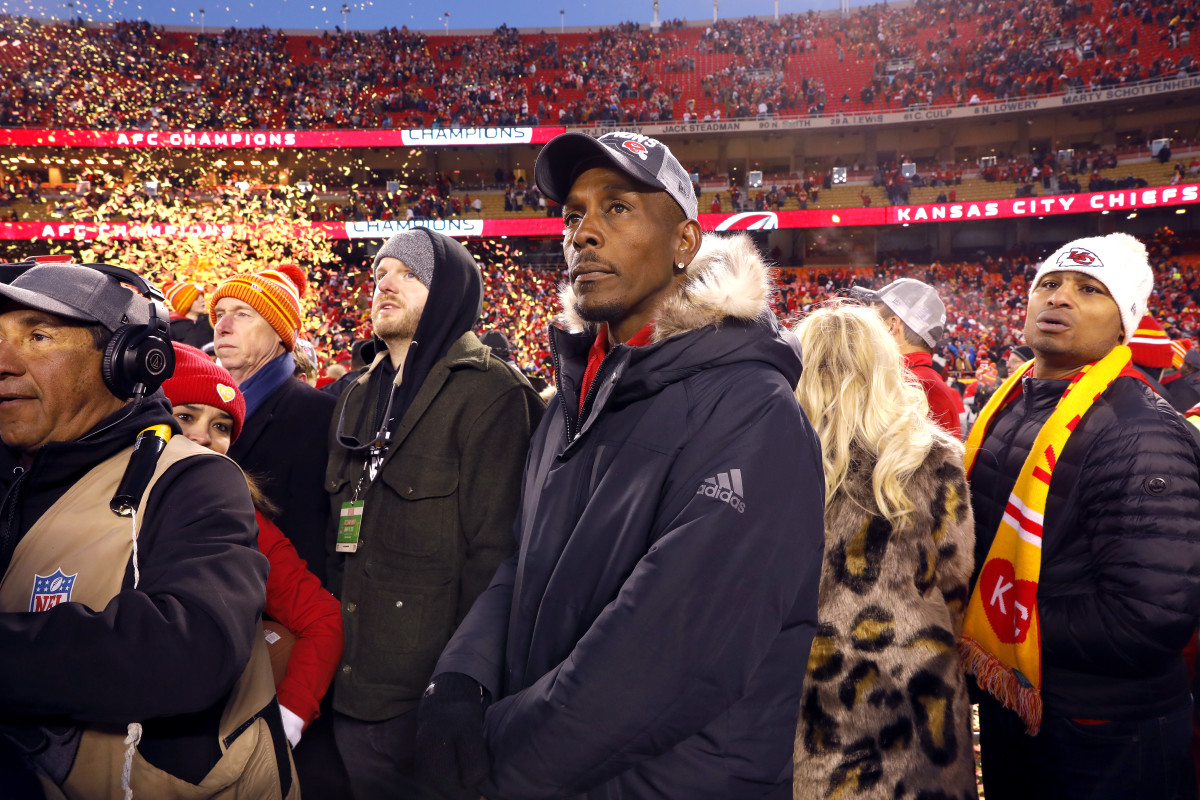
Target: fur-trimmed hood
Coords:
[[727, 278], [722, 316]]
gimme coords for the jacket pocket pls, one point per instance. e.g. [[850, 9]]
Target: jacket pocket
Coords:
[[403, 620], [416, 510]]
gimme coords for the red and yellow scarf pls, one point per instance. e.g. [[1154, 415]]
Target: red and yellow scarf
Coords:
[[1001, 643]]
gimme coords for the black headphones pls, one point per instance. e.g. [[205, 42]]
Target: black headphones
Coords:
[[138, 358]]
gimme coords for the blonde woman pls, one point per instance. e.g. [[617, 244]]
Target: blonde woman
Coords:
[[884, 711]]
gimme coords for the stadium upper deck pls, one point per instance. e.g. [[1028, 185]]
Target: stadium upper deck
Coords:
[[881, 58]]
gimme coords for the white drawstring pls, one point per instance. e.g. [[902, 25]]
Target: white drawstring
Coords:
[[134, 730], [137, 575], [131, 742]]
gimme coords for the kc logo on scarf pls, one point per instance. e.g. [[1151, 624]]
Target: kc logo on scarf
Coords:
[[1010, 603]]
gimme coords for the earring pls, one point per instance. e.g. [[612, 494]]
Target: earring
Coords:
[[680, 267]]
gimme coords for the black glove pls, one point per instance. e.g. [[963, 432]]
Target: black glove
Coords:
[[451, 757]]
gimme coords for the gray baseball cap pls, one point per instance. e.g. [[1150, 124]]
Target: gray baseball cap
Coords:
[[78, 293], [916, 304], [642, 158]]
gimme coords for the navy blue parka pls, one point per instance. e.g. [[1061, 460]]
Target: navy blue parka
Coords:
[[650, 637]]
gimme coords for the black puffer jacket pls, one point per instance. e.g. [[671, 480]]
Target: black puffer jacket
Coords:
[[1120, 576]]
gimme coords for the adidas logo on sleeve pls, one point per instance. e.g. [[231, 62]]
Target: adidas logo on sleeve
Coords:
[[726, 487]]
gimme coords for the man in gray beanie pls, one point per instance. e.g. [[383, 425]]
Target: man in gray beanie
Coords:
[[414, 249], [426, 455]]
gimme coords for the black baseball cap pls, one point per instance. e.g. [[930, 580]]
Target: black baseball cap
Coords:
[[642, 158], [79, 293], [1023, 352]]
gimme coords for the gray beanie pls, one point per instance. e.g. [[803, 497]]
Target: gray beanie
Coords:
[[414, 248]]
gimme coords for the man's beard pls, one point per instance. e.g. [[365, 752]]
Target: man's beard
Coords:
[[606, 312], [400, 326]]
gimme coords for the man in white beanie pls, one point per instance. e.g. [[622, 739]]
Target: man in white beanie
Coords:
[[1086, 495]]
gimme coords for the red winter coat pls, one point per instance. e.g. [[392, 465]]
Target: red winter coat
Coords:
[[296, 600]]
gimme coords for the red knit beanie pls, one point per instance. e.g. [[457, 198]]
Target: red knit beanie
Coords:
[[198, 380], [274, 293], [1150, 344]]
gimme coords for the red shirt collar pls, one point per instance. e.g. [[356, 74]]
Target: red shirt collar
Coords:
[[639, 339], [917, 359], [600, 349]]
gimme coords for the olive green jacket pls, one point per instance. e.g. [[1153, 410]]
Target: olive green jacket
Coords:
[[437, 521]]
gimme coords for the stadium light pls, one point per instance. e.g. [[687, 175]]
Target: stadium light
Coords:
[[345, 13], [562, 20], [202, 22], [715, 10]]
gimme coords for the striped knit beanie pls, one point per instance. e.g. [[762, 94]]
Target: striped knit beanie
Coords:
[[275, 294], [198, 380], [1150, 344], [180, 295], [1179, 352]]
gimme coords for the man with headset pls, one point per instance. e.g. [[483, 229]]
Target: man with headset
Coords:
[[144, 653]]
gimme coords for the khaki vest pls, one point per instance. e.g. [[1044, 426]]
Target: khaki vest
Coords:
[[78, 552]]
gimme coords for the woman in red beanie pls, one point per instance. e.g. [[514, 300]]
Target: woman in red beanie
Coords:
[[211, 410]]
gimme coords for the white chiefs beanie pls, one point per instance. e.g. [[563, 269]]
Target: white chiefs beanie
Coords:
[[1119, 262]]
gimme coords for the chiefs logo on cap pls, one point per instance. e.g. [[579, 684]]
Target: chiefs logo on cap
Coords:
[[637, 148], [227, 393], [1078, 257]]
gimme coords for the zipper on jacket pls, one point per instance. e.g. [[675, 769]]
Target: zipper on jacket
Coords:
[[9, 535], [558, 386], [588, 399], [597, 382]]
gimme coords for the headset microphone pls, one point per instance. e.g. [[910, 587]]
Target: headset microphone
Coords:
[[142, 461]]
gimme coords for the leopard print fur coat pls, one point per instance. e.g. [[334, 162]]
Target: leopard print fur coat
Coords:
[[884, 712]]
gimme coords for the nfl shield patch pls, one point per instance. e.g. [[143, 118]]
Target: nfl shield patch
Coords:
[[50, 590]]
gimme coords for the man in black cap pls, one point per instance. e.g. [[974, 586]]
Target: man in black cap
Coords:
[[146, 623], [424, 472], [649, 638]]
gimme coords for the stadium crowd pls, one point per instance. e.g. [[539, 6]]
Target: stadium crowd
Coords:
[[130, 75], [984, 298]]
